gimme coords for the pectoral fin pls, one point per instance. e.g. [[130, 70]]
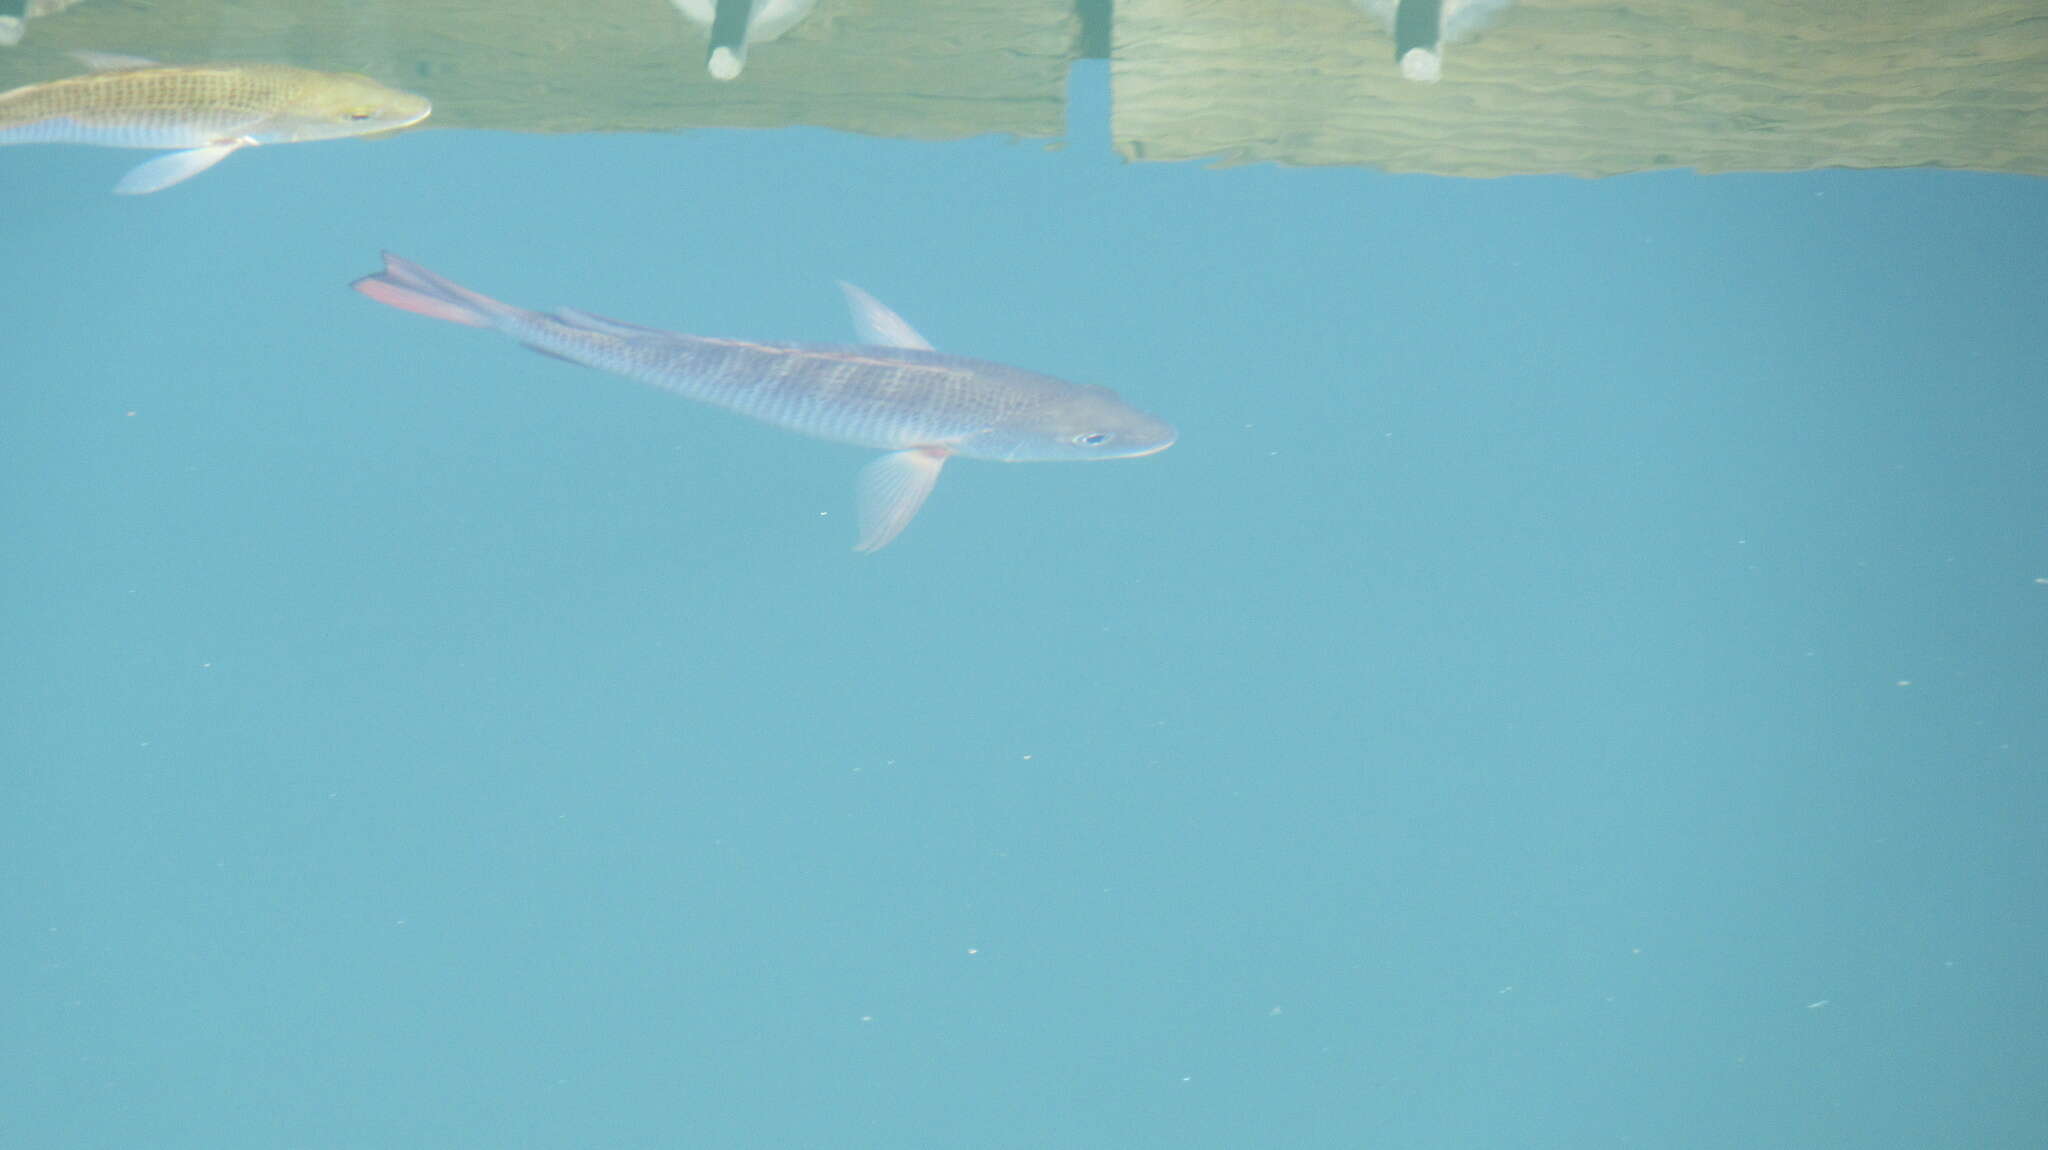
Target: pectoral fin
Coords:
[[877, 324], [162, 172], [892, 488]]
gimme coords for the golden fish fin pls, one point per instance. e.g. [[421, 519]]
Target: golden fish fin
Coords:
[[891, 490], [162, 172], [112, 61], [878, 325]]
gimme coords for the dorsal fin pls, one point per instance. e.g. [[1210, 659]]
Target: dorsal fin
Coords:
[[877, 324]]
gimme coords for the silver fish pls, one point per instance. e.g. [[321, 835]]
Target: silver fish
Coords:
[[891, 392]]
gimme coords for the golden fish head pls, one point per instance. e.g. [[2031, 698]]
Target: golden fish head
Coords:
[[333, 105]]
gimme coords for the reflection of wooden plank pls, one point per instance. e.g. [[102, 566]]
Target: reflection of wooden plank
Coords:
[[936, 68], [1593, 87]]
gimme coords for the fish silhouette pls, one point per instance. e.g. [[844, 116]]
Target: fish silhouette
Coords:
[[892, 392]]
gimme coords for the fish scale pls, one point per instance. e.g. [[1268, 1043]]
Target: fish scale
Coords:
[[836, 392], [148, 108]]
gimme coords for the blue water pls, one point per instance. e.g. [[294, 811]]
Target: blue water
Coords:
[[1581, 678]]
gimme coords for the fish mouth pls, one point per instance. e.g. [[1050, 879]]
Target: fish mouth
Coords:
[[401, 125], [1170, 441]]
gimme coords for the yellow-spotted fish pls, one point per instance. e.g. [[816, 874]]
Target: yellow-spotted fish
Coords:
[[204, 111], [891, 392]]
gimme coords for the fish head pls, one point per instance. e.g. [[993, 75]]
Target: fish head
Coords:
[[335, 105], [1075, 423]]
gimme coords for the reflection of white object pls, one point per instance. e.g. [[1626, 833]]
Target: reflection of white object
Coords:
[[1421, 28], [13, 27], [1423, 65], [747, 22]]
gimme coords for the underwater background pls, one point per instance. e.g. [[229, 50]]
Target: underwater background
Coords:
[[1580, 678]]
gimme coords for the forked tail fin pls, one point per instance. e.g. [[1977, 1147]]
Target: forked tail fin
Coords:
[[407, 286]]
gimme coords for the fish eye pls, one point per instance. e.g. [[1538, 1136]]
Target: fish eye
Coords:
[[1091, 439], [360, 114]]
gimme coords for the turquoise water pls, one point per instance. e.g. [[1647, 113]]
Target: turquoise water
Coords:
[[1577, 681]]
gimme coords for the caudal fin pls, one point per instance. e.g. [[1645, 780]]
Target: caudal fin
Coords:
[[407, 286]]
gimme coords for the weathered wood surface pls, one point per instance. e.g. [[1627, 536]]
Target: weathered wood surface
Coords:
[[930, 69], [1593, 87]]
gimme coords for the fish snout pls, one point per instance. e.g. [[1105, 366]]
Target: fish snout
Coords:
[[1153, 437]]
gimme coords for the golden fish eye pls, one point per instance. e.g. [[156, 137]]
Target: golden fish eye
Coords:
[[360, 113]]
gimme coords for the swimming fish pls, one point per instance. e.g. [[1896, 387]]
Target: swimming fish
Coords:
[[891, 392], [205, 111]]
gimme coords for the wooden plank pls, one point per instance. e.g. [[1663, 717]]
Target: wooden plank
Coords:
[[916, 68], [1593, 87]]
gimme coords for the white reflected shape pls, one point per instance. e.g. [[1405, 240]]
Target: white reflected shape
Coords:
[[764, 20], [1421, 28]]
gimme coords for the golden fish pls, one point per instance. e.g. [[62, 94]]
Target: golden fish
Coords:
[[204, 111]]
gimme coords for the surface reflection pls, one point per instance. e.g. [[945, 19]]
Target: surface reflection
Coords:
[[1421, 28], [15, 15], [731, 26], [1567, 86]]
